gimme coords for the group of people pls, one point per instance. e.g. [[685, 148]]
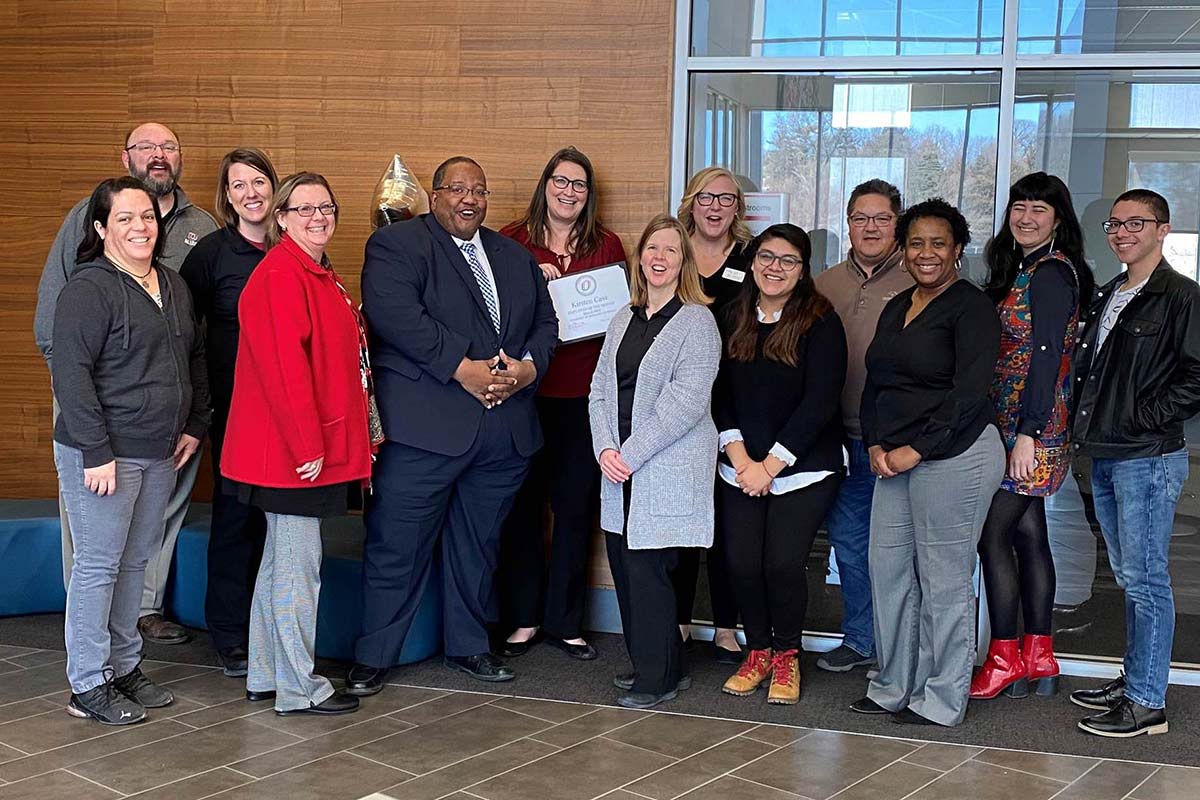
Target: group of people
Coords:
[[737, 404]]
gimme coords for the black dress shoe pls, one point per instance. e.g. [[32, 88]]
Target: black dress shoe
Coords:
[[727, 657], [234, 661], [514, 649], [337, 703], [865, 705], [644, 700], [364, 681], [258, 697], [1102, 698], [584, 652], [485, 667], [1126, 720], [906, 716], [624, 681]]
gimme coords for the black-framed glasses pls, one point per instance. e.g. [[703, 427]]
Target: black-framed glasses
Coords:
[[724, 199], [880, 220], [308, 209], [458, 190], [145, 148], [766, 258], [562, 182], [1133, 224]]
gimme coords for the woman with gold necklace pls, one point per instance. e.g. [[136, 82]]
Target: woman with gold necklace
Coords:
[[129, 374]]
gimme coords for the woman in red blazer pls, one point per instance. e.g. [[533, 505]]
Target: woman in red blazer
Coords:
[[299, 432]]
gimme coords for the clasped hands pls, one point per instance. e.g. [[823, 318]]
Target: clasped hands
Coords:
[[754, 477], [490, 383], [890, 463]]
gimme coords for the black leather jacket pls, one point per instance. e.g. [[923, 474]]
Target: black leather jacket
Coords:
[[1134, 395]]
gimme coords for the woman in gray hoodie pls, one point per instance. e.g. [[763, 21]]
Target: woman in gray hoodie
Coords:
[[129, 374]]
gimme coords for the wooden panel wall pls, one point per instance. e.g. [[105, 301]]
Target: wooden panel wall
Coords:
[[335, 86]]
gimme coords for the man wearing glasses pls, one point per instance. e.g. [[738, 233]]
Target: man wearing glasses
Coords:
[[859, 288], [152, 155], [461, 328], [1137, 378]]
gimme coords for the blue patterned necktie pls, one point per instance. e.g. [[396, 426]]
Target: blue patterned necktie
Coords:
[[485, 284]]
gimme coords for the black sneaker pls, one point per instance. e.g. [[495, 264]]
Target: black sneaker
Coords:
[[140, 689], [1102, 698], [1126, 720], [843, 658], [106, 705], [234, 661], [625, 681]]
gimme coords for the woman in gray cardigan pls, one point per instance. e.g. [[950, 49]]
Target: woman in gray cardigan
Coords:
[[653, 434]]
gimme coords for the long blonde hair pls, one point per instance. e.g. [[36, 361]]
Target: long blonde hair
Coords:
[[689, 289], [739, 231]]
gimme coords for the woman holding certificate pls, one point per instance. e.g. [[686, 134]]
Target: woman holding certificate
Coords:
[[562, 229]]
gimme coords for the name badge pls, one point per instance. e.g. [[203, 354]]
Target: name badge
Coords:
[[735, 275]]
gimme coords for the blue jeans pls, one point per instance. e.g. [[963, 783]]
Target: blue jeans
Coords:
[[849, 526], [113, 538], [1135, 503]]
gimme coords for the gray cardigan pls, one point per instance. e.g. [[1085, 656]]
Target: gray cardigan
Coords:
[[672, 447]]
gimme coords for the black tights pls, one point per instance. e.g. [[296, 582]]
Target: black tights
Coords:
[[1017, 523]]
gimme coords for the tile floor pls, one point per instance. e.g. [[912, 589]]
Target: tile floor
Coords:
[[415, 743]]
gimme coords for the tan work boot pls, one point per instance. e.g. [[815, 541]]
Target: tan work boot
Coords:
[[785, 679], [755, 668]]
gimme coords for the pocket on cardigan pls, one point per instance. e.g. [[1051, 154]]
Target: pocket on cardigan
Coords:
[[333, 436], [670, 489]]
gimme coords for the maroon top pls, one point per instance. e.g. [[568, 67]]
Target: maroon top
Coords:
[[570, 371]]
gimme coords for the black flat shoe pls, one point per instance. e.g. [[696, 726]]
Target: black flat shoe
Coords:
[[364, 681], [1102, 698], [515, 649], [584, 652], [337, 703], [624, 681], [865, 705], [642, 700], [906, 716], [484, 667], [1127, 720], [727, 657], [234, 661], [258, 697]]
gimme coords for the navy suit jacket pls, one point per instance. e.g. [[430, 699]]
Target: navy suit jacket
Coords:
[[425, 312]]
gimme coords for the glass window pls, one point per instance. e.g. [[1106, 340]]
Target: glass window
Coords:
[[1108, 26], [817, 136], [846, 27]]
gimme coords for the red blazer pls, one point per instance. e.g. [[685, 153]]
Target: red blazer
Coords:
[[297, 388]]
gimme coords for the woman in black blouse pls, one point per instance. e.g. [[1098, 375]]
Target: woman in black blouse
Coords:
[[929, 427], [776, 404], [216, 271], [713, 212]]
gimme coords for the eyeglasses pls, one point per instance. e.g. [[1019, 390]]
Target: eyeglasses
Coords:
[[766, 258], [880, 220], [562, 182], [149, 147], [1133, 224], [308, 209], [458, 190], [725, 199]]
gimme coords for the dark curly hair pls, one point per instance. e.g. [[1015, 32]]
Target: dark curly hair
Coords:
[[940, 209]]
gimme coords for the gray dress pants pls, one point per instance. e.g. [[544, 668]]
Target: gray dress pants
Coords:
[[925, 527]]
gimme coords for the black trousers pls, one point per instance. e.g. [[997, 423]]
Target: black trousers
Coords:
[[422, 500], [235, 547], [564, 472], [647, 602], [720, 584], [767, 547]]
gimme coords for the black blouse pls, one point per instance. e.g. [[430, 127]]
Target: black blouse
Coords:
[[1053, 297], [927, 384], [639, 335], [724, 284]]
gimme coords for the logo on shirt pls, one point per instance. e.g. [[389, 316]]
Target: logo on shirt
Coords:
[[585, 285], [191, 239]]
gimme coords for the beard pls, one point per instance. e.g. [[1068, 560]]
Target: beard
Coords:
[[157, 187]]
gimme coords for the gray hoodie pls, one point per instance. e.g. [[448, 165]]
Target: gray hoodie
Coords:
[[186, 225]]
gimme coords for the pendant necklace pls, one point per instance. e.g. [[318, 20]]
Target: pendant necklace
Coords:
[[145, 283]]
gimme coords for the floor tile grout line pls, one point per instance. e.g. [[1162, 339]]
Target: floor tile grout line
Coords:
[[29, 716], [368, 758], [1027, 772], [535, 716], [239, 772], [881, 769], [767, 786], [94, 783], [674, 759], [19, 750], [936, 778], [1142, 783], [315, 738], [1077, 780]]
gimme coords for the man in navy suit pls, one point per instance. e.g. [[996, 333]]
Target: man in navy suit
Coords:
[[461, 326]]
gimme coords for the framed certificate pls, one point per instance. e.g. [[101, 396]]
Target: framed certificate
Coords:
[[586, 301]]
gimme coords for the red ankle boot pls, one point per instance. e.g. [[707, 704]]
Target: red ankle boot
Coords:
[[1038, 654], [1003, 671]]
